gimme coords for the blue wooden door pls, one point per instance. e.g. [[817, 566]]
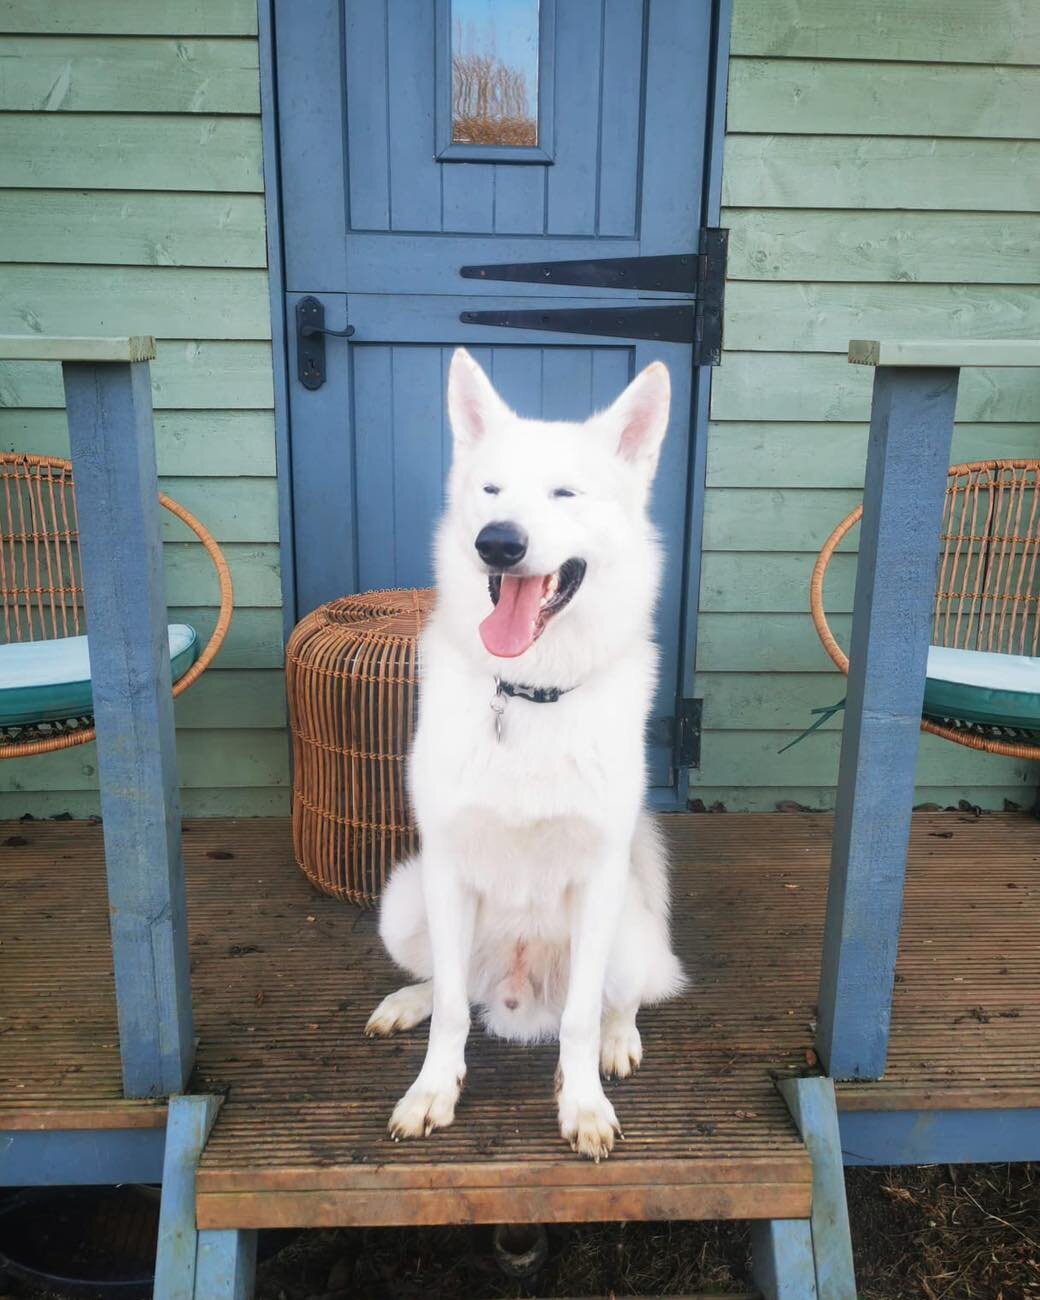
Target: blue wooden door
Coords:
[[585, 139]]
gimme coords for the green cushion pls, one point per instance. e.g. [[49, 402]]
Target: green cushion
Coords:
[[47, 681], [978, 686]]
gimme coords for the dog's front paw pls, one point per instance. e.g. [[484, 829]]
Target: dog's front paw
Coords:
[[621, 1049], [422, 1109], [402, 1010], [588, 1123]]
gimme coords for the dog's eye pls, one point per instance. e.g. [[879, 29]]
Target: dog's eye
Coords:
[[491, 489], [563, 492]]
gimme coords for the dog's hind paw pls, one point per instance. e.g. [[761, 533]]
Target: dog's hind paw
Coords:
[[421, 1110], [621, 1049], [402, 1010], [590, 1125]]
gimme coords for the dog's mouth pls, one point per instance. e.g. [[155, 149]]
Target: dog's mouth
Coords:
[[524, 607]]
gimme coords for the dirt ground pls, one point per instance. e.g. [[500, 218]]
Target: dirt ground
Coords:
[[939, 1233]]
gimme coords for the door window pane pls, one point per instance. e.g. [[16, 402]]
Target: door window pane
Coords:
[[494, 72]]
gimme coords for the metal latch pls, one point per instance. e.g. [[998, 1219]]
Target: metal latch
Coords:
[[310, 341]]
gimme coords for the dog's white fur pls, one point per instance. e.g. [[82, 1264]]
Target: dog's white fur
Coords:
[[541, 891]]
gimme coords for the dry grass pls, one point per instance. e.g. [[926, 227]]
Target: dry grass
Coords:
[[936, 1233]]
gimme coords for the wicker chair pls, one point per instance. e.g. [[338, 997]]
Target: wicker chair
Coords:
[[987, 597], [41, 587]]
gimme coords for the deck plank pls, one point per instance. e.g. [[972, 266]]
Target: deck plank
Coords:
[[301, 1136]]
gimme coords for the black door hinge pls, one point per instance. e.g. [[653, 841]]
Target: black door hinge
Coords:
[[682, 734], [698, 322]]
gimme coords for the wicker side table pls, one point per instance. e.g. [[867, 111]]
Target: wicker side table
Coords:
[[351, 678]]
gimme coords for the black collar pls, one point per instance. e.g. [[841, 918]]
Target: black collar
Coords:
[[536, 694]]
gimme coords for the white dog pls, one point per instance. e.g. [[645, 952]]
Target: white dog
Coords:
[[541, 890]]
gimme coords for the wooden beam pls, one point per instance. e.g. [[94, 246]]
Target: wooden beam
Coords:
[[191, 1119], [945, 352], [907, 457], [36, 347], [113, 455]]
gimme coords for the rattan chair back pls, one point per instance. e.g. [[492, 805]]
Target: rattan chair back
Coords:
[[989, 587], [41, 585]]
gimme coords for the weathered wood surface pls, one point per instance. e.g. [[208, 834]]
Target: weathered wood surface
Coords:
[[234, 509], [774, 519], [905, 247], [863, 171], [217, 758], [108, 228], [796, 96], [121, 18], [171, 302], [188, 1127], [778, 317], [120, 553], [789, 385], [212, 801], [767, 454], [911, 429], [226, 443], [239, 697], [945, 352], [752, 758], [190, 574], [88, 74], [226, 375], [168, 153], [38, 347], [739, 582], [948, 31], [965, 1005]]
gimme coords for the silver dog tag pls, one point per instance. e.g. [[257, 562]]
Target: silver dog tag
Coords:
[[498, 707]]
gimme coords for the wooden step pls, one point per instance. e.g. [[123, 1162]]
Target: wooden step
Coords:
[[301, 1140]]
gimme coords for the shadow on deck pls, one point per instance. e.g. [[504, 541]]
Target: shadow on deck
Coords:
[[284, 979]]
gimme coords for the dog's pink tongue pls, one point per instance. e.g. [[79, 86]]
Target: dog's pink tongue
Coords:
[[509, 629]]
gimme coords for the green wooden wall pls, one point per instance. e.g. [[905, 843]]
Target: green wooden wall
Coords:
[[131, 201], [881, 178]]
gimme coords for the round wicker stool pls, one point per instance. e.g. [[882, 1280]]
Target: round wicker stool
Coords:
[[352, 676]]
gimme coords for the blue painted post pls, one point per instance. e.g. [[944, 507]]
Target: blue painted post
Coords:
[[113, 454], [782, 1259], [814, 1110], [911, 425], [187, 1127], [226, 1264]]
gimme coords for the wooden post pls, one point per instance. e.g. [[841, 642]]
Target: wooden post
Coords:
[[814, 1109], [782, 1259], [226, 1264], [187, 1128], [113, 454], [911, 426]]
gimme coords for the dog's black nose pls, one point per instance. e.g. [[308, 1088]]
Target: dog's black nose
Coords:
[[501, 546]]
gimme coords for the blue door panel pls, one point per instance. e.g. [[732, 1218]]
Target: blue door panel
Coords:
[[377, 227]]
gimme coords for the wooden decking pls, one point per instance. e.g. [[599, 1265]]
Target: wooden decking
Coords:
[[284, 979]]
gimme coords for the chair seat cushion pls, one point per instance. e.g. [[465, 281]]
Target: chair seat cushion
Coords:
[[978, 686], [46, 681]]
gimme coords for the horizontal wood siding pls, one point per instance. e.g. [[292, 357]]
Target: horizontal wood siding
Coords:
[[881, 178], [131, 202]]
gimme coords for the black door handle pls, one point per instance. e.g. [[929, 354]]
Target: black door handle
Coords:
[[310, 341]]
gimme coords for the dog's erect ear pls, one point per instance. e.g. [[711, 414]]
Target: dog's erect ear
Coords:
[[473, 404], [638, 419]]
